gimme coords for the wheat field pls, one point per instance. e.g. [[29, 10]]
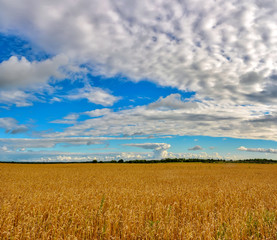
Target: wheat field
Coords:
[[138, 201]]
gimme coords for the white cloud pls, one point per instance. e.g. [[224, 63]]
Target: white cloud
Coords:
[[208, 118], [33, 143], [98, 112], [45, 156], [202, 155], [55, 99], [225, 51], [195, 148], [242, 148], [17, 97], [11, 126], [69, 119], [262, 150], [94, 95], [173, 101], [4, 149], [17, 143], [20, 72], [23, 82], [216, 49], [55, 156], [160, 149]]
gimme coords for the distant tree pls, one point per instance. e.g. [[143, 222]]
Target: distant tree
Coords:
[[94, 161], [121, 161], [113, 161]]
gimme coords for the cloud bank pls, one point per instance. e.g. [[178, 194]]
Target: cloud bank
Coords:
[[226, 57], [159, 149], [55, 156], [176, 118], [262, 150], [221, 50]]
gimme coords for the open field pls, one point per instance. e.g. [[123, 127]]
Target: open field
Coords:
[[145, 201]]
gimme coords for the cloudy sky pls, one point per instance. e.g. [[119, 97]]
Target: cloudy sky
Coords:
[[82, 80]]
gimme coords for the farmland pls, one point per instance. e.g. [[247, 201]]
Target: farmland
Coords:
[[138, 201]]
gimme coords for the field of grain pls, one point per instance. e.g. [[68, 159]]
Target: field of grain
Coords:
[[143, 201]]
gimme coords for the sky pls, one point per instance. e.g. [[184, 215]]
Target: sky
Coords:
[[136, 79]]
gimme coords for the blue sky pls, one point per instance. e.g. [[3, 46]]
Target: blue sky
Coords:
[[126, 81]]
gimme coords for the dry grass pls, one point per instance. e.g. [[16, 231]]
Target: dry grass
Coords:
[[124, 201]]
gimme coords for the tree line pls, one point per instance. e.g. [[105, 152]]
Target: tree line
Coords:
[[166, 160]]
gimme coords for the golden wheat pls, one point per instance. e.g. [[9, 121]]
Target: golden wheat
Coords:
[[145, 201]]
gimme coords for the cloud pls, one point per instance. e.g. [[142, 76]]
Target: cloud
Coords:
[[160, 149], [34, 143], [17, 72], [94, 95], [23, 82], [17, 97], [208, 118], [262, 150], [195, 148], [173, 101], [98, 112], [11, 126], [69, 119], [203, 155], [21, 129], [156, 146], [224, 50], [270, 119], [55, 156], [18, 143], [4, 149]]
